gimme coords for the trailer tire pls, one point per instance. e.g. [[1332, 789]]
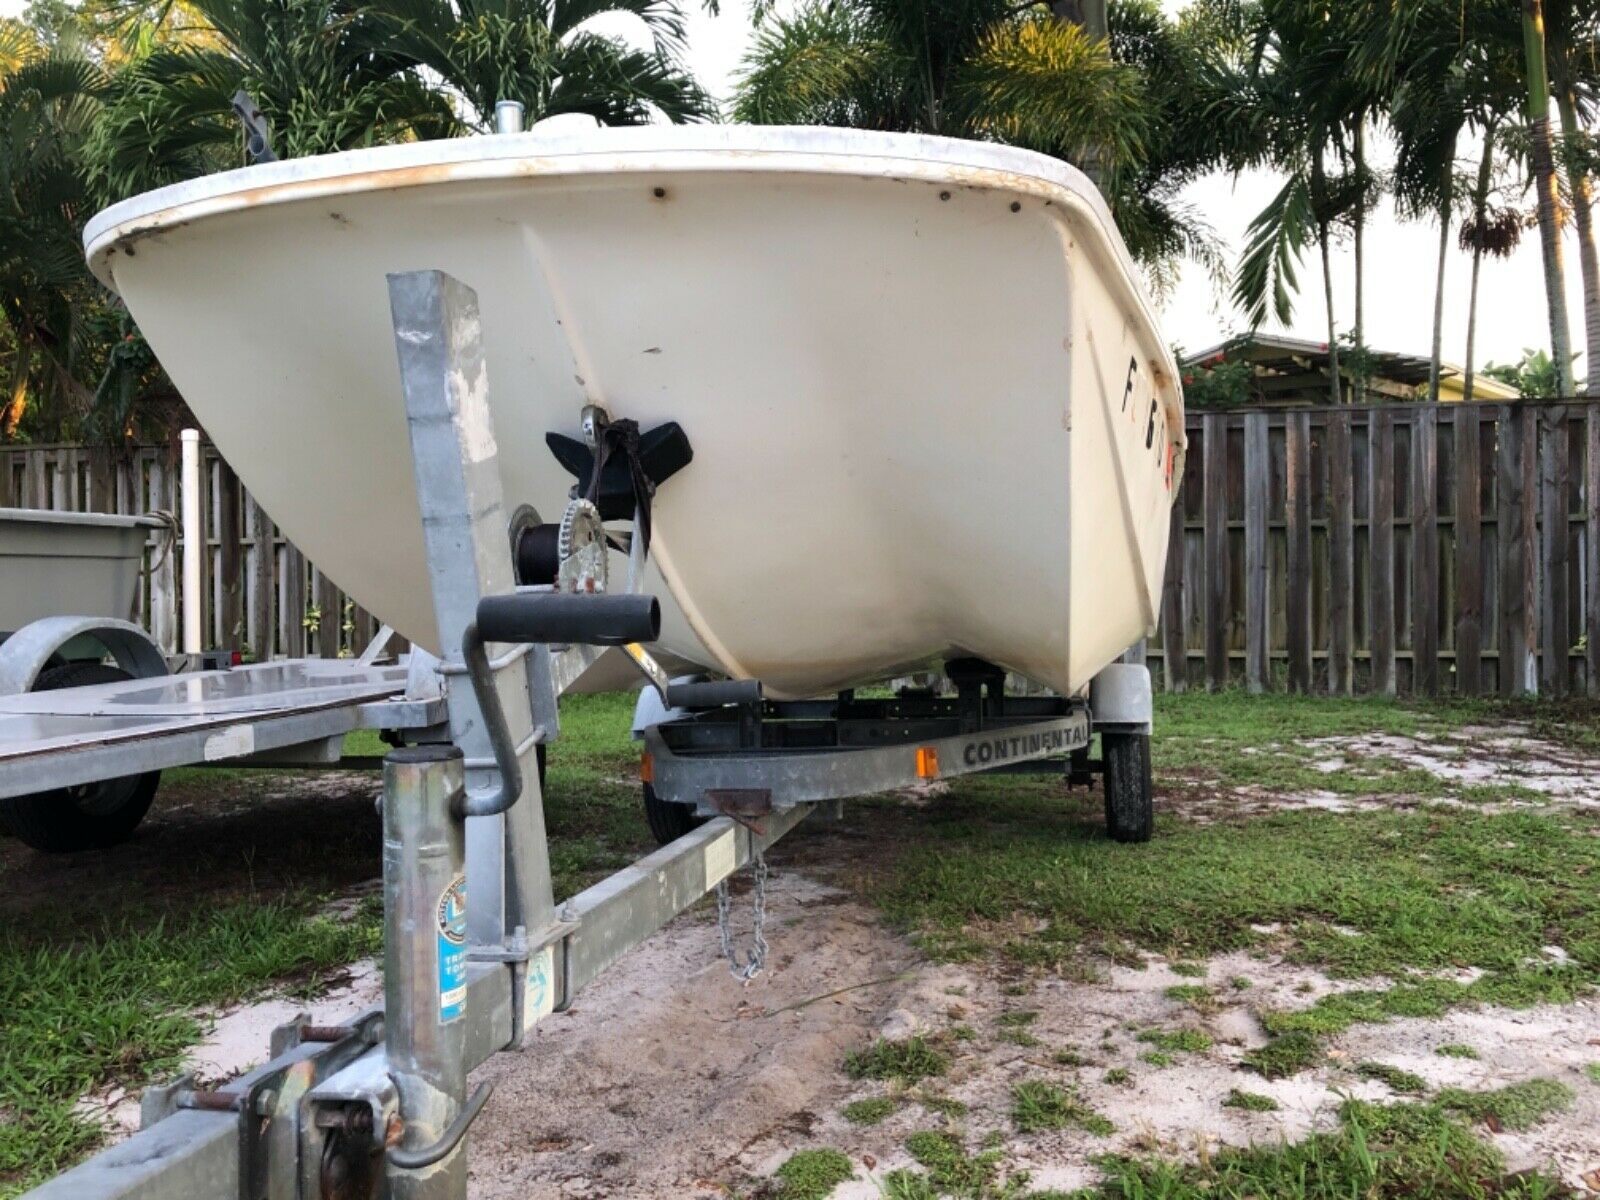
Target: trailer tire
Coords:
[[1130, 806], [668, 821], [92, 816]]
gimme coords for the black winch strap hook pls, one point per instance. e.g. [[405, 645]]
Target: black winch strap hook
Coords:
[[622, 437]]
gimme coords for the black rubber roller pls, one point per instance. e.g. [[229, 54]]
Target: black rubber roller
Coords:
[[714, 694], [561, 619]]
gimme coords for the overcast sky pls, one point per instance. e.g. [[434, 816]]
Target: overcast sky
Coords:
[[1401, 257]]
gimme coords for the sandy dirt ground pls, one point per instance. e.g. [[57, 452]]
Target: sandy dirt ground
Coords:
[[669, 1078]]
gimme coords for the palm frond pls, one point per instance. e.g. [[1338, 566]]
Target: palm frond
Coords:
[[809, 68], [1267, 279], [1043, 83]]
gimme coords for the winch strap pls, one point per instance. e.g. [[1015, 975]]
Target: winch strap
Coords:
[[622, 437]]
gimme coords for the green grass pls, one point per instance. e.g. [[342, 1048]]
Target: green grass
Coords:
[[951, 1171], [1118, 1077], [116, 1008], [1287, 1054], [1592, 1070], [1455, 1050], [1517, 1106], [1396, 1080], [1187, 1041], [1037, 1105], [873, 1111], [1196, 995], [1396, 893], [909, 1061], [812, 1174], [1188, 969], [1394, 1152], [1016, 1017], [1249, 1101]]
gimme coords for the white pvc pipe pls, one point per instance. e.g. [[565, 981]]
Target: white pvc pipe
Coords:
[[194, 542]]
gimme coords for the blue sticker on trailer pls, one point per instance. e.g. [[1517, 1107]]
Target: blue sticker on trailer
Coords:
[[452, 921]]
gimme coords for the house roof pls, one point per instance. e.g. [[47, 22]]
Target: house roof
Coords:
[[1281, 355]]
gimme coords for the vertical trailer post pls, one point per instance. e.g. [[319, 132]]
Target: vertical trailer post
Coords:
[[466, 530], [424, 962]]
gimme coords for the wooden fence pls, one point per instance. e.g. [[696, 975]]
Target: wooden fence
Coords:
[[1470, 561], [1422, 548], [261, 595]]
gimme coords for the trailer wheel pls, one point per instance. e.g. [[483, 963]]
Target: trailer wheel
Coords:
[[92, 815], [1130, 807], [668, 821]]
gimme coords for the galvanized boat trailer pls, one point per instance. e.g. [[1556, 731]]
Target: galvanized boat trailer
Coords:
[[476, 952]]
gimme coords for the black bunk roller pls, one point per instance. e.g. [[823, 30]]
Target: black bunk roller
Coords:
[[557, 618]]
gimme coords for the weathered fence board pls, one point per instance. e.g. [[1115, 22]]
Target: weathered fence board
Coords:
[[1421, 548], [1356, 549], [1215, 449], [248, 601]]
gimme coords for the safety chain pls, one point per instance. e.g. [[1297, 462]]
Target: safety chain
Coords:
[[758, 942]]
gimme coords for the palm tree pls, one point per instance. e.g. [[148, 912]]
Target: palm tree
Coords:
[[544, 54], [336, 74], [1036, 75], [1542, 155], [1574, 58], [1299, 90], [311, 66], [1495, 232], [1450, 71], [46, 101]]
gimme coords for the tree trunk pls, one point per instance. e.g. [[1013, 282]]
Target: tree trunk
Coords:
[[1360, 223], [1588, 263], [1090, 16], [1480, 208], [1438, 299], [1544, 175], [1318, 194]]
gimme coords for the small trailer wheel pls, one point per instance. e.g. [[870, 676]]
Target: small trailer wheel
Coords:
[[668, 821], [90, 816], [1130, 807]]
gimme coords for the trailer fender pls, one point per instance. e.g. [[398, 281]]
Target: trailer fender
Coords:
[[1120, 699], [650, 709], [26, 653]]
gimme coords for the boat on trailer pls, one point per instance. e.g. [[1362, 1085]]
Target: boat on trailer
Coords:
[[906, 395]]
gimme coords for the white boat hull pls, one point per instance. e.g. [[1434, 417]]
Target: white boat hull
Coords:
[[931, 412]]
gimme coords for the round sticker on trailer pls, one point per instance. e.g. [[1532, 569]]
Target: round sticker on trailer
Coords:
[[451, 917]]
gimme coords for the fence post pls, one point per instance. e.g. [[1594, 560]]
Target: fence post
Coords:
[[1297, 521], [1174, 651], [1380, 545], [1554, 635], [1216, 543], [1469, 553], [329, 615], [1341, 555], [1517, 533], [230, 558], [262, 585], [1257, 616], [1591, 535], [1425, 551]]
